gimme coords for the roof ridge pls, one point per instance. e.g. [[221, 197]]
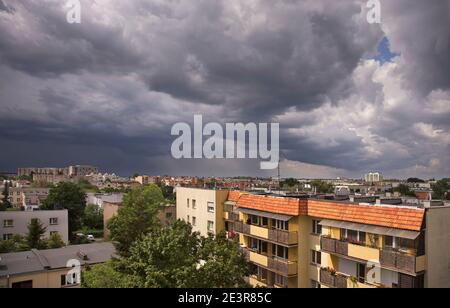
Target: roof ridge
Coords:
[[41, 258]]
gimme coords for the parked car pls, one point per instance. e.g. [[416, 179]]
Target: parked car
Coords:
[[91, 238]]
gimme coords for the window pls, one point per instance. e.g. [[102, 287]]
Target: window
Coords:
[[316, 227], [361, 272], [404, 244], [315, 284], [7, 237], [280, 280], [316, 257], [8, 223], [53, 221], [210, 226], [169, 215], [254, 220], [353, 236], [187, 203], [194, 221], [69, 280], [280, 252], [188, 219], [194, 204], [22, 285], [388, 242], [211, 208], [281, 225]]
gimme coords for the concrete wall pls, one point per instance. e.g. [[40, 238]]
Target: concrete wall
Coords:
[[437, 245], [201, 214], [21, 220]]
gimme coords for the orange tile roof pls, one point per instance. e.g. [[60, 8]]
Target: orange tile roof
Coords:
[[287, 206], [385, 216], [234, 195]]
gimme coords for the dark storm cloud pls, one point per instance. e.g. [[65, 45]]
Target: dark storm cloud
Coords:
[[6, 8], [109, 89]]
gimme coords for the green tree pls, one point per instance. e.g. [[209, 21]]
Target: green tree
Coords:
[[415, 180], [167, 192], [322, 187], [93, 217], [404, 190], [441, 189], [5, 204], [175, 257], [67, 196], [137, 217], [17, 244], [86, 186], [35, 232], [108, 276], [55, 241], [289, 182]]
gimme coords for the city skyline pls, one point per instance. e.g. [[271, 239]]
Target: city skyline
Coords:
[[350, 96]]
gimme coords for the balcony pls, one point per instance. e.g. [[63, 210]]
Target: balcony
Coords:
[[280, 266], [332, 279], [400, 261], [277, 236], [283, 237], [283, 267], [240, 227], [334, 246], [230, 216]]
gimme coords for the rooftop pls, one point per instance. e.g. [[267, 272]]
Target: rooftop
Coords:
[[42, 260], [390, 216]]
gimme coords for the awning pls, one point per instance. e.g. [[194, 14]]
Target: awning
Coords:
[[266, 214], [232, 203], [411, 235]]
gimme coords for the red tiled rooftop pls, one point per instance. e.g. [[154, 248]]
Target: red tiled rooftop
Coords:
[[385, 216], [233, 195], [276, 205]]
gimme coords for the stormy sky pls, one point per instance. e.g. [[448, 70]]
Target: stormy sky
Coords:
[[350, 96]]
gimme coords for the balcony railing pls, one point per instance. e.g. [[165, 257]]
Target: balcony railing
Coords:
[[388, 258], [398, 260], [273, 235], [283, 237], [282, 266], [241, 227], [334, 246]]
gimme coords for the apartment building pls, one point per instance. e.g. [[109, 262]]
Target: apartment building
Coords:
[[24, 197], [306, 242], [78, 170], [44, 171], [100, 198], [373, 177], [82, 170], [16, 223], [166, 215], [202, 208], [146, 180], [51, 268]]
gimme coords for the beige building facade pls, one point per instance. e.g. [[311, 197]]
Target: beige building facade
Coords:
[[202, 208]]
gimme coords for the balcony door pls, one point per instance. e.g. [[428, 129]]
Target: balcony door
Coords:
[[361, 272]]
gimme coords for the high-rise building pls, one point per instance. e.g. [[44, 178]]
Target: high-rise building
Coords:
[[373, 177]]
